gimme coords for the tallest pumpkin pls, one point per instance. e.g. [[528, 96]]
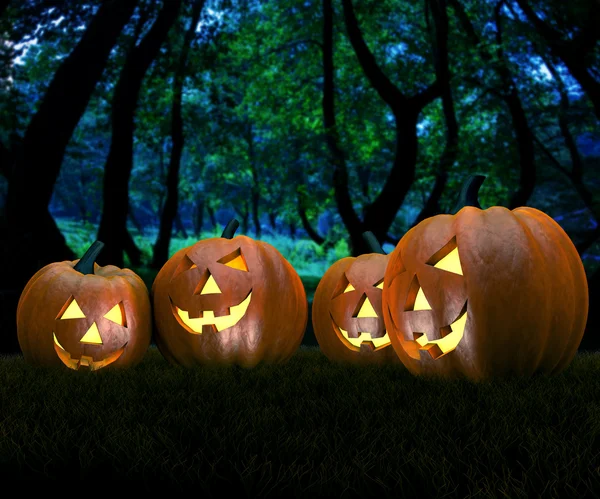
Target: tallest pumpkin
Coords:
[[485, 293]]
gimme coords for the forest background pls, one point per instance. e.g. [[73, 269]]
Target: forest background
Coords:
[[149, 125]]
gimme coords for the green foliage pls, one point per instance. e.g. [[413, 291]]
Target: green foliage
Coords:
[[253, 118]]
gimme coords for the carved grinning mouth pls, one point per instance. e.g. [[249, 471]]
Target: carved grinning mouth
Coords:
[[363, 337], [207, 317], [451, 336], [85, 360]]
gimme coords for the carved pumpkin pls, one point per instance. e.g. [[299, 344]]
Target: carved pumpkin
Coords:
[[485, 293], [83, 316], [346, 312], [228, 300]]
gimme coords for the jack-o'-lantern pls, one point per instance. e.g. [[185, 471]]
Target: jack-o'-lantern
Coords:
[[346, 311], [485, 293], [84, 316], [228, 300]]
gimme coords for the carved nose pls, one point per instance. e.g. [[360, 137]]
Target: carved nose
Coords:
[[92, 336], [210, 287], [365, 309]]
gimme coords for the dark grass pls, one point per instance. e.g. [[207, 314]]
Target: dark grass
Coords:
[[307, 428]]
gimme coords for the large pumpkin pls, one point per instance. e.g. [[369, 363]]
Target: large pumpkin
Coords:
[[346, 311], [485, 293], [229, 300], [83, 316]]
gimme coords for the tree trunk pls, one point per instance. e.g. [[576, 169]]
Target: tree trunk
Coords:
[[31, 239], [161, 247], [523, 133], [37, 163], [198, 217], [245, 217], [255, 195], [113, 229], [211, 215], [273, 220], [440, 50], [180, 227], [573, 52], [3, 6], [133, 219], [380, 214], [312, 233], [510, 96], [576, 173]]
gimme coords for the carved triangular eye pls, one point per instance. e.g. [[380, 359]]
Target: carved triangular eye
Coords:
[[450, 263], [379, 284], [349, 288], [116, 315], [235, 260], [447, 258], [72, 311], [185, 264]]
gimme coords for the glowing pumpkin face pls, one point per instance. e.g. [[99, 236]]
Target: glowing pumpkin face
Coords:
[[435, 302], [198, 302], [356, 300], [85, 345], [228, 300], [485, 293], [81, 315], [347, 314]]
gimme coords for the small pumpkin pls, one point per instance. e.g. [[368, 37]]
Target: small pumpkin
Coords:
[[485, 293], [346, 314], [228, 300], [83, 316]]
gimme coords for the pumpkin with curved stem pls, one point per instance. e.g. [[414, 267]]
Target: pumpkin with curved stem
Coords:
[[346, 313], [84, 316], [485, 293], [228, 300]]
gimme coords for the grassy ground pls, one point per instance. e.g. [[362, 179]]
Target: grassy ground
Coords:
[[308, 428]]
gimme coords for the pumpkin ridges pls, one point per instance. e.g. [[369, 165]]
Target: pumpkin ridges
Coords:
[[261, 324], [57, 282], [411, 252], [45, 271], [28, 315], [322, 326], [574, 286], [510, 343], [330, 344], [512, 323], [295, 301], [161, 300]]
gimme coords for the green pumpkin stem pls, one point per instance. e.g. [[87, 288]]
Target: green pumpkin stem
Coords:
[[230, 229], [86, 264], [372, 242], [469, 193]]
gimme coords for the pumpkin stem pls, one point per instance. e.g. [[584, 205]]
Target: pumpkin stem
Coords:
[[230, 229], [372, 242], [469, 193], [86, 264]]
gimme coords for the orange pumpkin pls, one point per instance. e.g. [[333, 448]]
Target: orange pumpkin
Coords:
[[485, 293], [229, 300], [346, 313], [83, 316]]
